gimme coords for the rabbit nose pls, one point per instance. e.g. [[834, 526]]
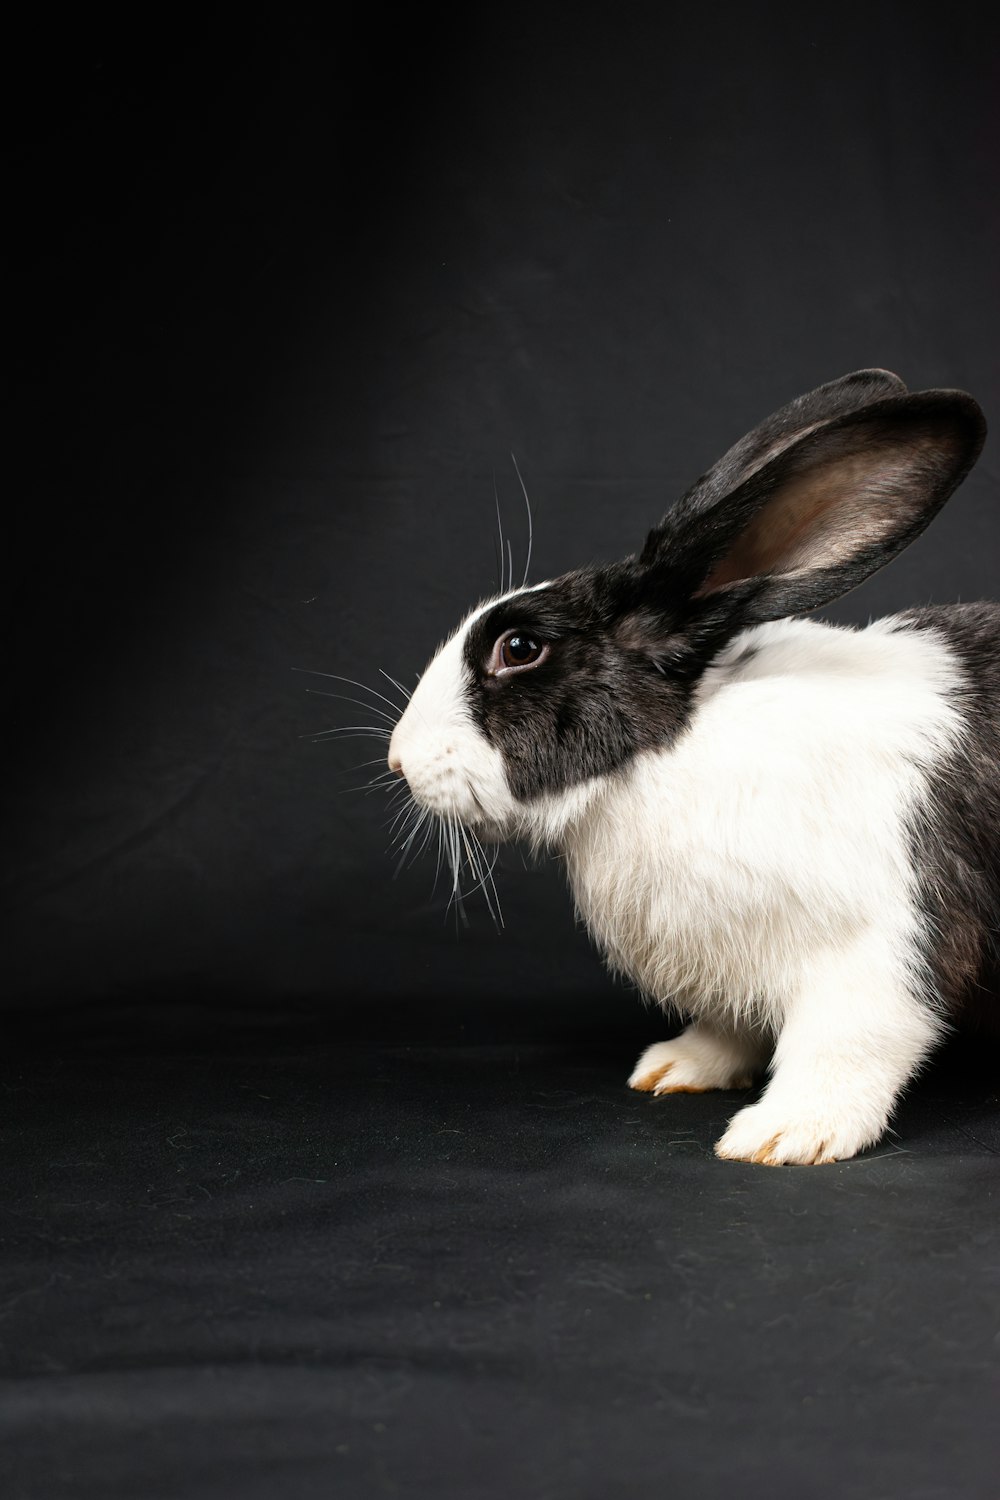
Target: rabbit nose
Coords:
[[396, 765]]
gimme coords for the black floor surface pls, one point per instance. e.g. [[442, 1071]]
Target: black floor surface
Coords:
[[283, 1267]]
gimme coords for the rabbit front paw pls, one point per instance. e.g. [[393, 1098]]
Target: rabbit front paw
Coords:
[[696, 1061], [777, 1134]]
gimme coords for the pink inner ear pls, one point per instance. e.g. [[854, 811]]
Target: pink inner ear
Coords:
[[824, 515]]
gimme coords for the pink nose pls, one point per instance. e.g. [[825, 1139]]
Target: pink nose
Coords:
[[396, 765]]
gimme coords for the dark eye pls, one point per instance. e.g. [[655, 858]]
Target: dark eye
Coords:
[[516, 650], [519, 650]]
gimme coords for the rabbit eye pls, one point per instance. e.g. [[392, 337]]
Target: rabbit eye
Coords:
[[515, 651], [519, 650]]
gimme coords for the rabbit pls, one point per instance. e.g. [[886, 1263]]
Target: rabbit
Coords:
[[786, 831]]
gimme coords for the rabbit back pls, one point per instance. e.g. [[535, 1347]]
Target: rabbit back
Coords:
[[955, 835]]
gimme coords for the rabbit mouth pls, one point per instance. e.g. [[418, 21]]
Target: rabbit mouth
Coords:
[[446, 797], [447, 793]]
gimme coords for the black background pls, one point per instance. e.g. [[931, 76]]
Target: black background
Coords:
[[287, 300], [293, 300]]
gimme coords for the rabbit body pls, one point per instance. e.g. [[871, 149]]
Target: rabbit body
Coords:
[[789, 832], [760, 876], [777, 824]]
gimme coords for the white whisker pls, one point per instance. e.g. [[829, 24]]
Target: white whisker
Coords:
[[455, 857], [478, 863], [496, 502], [409, 841], [440, 855], [396, 684], [387, 787], [531, 529], [352, 682], [377, 784], [349, 731], [495, 911], [403, 813], [423, 842], [403, 840], [322, 693], [384, 783]]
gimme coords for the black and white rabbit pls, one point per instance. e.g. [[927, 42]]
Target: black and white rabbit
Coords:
[[787, 831]]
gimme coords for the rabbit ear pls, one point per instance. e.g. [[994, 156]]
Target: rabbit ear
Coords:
[[814, 511], [835, 399]]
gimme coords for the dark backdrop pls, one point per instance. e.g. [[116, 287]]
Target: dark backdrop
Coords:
[[286, 300], [290, 300]]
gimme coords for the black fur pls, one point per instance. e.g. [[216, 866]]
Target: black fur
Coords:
[[617, 679], [956, 842]]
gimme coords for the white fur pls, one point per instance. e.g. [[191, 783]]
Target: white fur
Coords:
[[756, 875], [449, 765], [702, 1057]]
